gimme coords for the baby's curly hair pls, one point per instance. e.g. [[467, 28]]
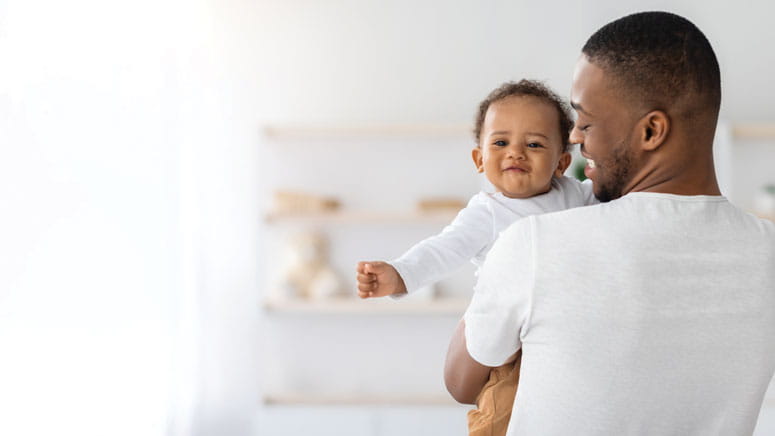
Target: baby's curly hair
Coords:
[[533, 88]]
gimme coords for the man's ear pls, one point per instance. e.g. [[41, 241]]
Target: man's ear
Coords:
[[476, 155], [655, 126], [562, 164]]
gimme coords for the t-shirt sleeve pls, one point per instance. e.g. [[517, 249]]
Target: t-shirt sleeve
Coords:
[[434, 258], [500, 308]]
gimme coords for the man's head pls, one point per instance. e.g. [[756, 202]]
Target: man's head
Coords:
[[647, 93]]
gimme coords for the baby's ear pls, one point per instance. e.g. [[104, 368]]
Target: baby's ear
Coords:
[[562, 164], [476, 155]]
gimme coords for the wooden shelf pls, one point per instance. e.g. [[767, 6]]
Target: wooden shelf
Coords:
[[309, 399], [355, 306], [754, 130], [321, 131], [762, 216], [361, 217]]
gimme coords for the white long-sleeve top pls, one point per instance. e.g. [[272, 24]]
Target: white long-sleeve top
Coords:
[[476, 227]]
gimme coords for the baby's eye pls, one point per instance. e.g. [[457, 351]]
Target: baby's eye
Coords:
[[501, 143], [534, 145]]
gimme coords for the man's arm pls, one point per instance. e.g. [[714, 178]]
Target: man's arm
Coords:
[[496, 317], [463, 376]]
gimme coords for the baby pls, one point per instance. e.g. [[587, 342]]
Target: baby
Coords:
[[522, 133]]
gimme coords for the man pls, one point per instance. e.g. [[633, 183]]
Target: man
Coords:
[[654, 312]]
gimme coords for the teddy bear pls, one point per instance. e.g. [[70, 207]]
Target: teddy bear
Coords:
[[306, 272]]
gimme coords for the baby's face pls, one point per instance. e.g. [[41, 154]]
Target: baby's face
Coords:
[[520, 147]]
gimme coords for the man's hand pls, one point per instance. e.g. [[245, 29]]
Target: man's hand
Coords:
[[378, 279]]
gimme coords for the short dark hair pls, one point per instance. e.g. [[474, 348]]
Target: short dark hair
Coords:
[[659, 58], [532, 88]]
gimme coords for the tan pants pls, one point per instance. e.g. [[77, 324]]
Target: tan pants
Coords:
[[494, 402]]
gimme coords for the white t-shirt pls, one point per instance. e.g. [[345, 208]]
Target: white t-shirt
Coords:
[[471, 234], [653, 314]]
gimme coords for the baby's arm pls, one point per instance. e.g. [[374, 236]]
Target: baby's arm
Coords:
[[433, 258]]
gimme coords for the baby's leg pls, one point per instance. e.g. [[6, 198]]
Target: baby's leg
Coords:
[[495, 401]]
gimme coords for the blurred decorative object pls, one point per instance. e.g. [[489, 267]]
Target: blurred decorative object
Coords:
[[578, 166], [440, 204], [306, 272], [764, 202], [301, 202]]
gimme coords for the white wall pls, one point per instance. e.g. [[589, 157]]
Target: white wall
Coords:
[[128, 254], [89, 212]]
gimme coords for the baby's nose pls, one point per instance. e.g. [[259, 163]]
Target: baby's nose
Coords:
[[516, 151]]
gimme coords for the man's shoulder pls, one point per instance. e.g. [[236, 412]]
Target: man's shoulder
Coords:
[[592, 221], [764, 227], [633, 213], [596, 211], [566, 220]]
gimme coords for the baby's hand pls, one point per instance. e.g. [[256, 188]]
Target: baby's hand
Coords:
[[378, 279]]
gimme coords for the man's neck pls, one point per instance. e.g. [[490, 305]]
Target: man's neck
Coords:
[[695, 178]]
